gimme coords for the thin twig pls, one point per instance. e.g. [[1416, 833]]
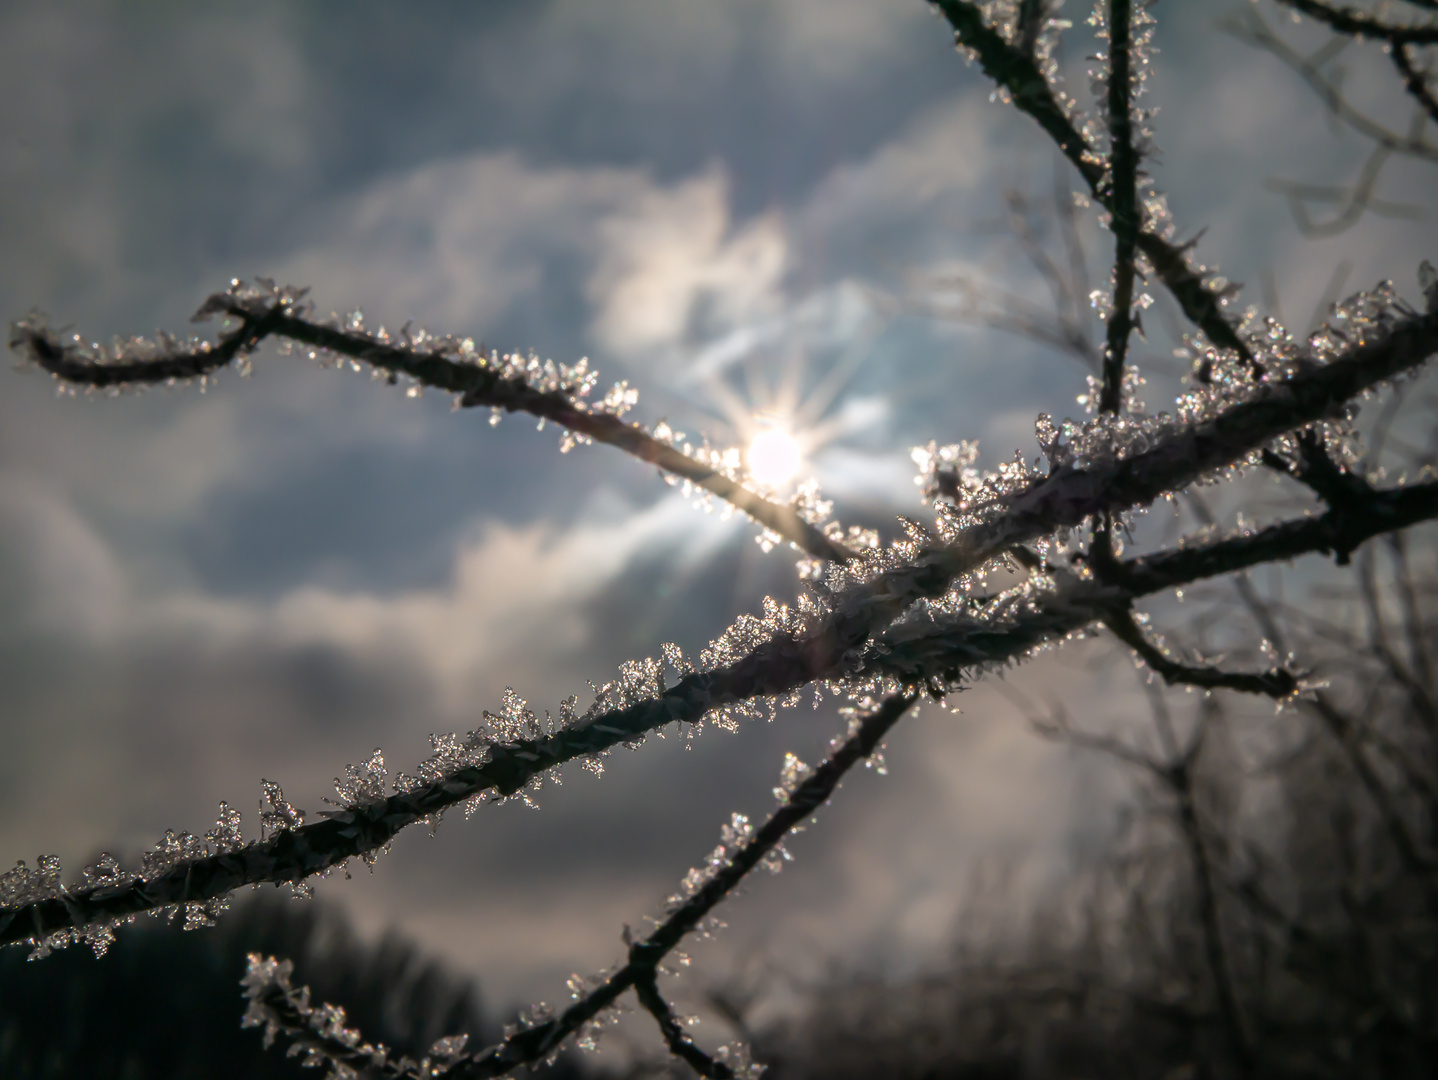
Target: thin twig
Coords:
[[1123, 201], [1347, 21], [538, 1041], [443, 366], [1414, 81], [1277, 684]]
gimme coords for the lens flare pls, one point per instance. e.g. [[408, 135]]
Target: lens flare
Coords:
[[774, 457]]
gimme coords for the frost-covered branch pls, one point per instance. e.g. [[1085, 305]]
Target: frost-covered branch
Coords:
[[952, 642], [1028, 84], [1123, 190], [824, 641], [285, 1011], [676, 1038], [512, 383], [1349, 734], [1415, 81]]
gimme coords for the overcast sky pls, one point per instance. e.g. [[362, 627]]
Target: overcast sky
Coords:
[[713, 200]]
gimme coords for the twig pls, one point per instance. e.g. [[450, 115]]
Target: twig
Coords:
[[537, 1041], [1249, 26], [1414, 81], [445, 365], [1021, 77], [1347, 21], [1123, 202], [1277, 684]]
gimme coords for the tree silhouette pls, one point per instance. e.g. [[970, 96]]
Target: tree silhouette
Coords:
[[1011, 562]]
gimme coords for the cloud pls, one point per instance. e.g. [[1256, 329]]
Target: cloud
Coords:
[[512, 609], [455, 242], [673, 267], [59, 574]]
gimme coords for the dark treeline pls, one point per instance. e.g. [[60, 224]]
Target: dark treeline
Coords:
[[166, 1005]]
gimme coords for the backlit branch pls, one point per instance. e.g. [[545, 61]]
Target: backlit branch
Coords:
[[952, 645], [832, 639], [447, 364], [1415, 81], [1354, 24], [1123, 193], [1021, 76], [276, 1000]]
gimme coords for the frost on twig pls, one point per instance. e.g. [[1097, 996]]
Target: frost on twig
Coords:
[[319, 1032], [839, 632], [562, 394]]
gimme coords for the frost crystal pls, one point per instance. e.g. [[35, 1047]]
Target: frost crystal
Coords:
[[733, 836], [281, 816], [363, 784]]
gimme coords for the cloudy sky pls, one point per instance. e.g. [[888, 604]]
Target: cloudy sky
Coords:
[[732, 205]]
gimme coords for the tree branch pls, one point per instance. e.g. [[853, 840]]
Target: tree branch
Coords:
[[1249, 26], [951, 645], [1123, 191], [1020, 76], [831, 642], [1346, 21], [446, 364], [538, 1041], [1414, 81], [675, 1037], [1277, 684]]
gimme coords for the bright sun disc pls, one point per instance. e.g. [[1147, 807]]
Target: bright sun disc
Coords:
[[774, 457]]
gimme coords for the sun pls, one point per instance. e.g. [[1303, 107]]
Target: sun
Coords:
[[774, 457]]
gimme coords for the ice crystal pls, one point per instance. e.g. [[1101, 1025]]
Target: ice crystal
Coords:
[[944, 471], [793, 773], [449, 1047], [226, 835], [322, 1026], [104, 872], [363, 784], [22, 885], [734, 835], [281, 816], [198, 914], [173, 848], [741, 1064], [515, 719]]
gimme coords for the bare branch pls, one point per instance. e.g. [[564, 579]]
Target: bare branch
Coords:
[[1021, 77], [1347, 21], [537, 1041], [1275, 684], [1347, 733], [675, 1037], [1248, 26], [1414, 81], [913, 652]]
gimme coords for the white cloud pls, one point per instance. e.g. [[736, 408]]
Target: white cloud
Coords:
[[61, 574], [454, 242], [512, 609], [673, 258]]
